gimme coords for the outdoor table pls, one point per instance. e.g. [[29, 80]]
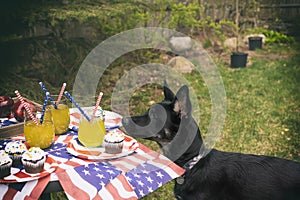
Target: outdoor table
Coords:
[[129, 176]]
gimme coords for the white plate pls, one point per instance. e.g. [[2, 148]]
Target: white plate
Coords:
[[19, 174], [75, 148]]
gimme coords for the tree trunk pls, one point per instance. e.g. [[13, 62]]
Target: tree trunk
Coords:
[[237, 23]]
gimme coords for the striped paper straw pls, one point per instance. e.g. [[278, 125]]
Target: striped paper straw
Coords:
[[26, 107], [44, 107], [76, 104], [45, 90], [97, 104], [61, 93]]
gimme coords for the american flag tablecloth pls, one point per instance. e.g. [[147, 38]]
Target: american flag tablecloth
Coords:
[[128, 177]]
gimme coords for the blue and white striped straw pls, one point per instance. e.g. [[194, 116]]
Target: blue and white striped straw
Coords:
[[76, 104], [44, 107], [45, 90]]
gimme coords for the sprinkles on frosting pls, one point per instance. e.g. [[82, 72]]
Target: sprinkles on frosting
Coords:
[[114, 136], [4, 158], [15, 147], [34, 153]]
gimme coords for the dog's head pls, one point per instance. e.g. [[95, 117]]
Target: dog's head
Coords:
[[162, 121]]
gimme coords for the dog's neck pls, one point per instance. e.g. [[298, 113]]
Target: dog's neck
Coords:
[[192, 152], [188, 139]]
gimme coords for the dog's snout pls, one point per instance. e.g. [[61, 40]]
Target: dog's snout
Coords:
[[157, 112]]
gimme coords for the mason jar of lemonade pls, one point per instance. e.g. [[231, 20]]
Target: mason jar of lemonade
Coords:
[[91, 133], [41, 135], [60, 116]]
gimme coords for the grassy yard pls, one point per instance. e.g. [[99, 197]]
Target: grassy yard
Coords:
[[263, 107]]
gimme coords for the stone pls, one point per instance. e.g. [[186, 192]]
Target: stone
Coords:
[[230, 43], [181, 64], [180, 44]]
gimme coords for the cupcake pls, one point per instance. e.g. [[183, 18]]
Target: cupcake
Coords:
[[15, 149], [113, 142], [5, 164], [33, 160]]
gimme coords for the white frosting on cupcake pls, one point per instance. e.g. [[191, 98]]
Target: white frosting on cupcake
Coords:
[[114, 136], [33, 154], [15, 147], [4, 158]]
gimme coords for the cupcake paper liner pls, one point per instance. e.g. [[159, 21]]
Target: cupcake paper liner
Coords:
[[32, 166], [113, 147], [5, 170], [16, 160]]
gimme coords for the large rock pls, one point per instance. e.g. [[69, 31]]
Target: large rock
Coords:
[[181, 64], [246, 38], [230, 43], [180, 44]]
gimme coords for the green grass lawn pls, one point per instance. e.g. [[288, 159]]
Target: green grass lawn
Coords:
[[263, 107]]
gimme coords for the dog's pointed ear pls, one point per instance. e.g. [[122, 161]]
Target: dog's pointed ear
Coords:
[[169, 95], [183, 103]]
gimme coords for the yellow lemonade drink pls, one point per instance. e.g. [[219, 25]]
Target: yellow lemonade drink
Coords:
[[47, 115], [41, 135], [91, 134], [60, 117]]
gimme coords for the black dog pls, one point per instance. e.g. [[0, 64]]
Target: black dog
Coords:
[[217, 175]]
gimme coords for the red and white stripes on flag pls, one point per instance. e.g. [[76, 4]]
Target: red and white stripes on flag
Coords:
[[78, 186], [31, 190]]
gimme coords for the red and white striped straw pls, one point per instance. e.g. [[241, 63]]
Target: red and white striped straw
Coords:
[[26, 107], [61, 93], [97, 104]]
